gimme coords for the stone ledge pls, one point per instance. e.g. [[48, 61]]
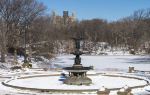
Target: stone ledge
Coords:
[[71, 90]]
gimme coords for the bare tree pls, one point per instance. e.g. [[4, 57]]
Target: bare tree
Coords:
[[17, 16]]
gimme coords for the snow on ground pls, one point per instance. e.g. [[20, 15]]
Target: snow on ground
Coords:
[[101, 63], [97, 82], [108, 62]]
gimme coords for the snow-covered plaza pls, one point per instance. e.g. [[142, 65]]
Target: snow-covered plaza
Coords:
[[109, 71]]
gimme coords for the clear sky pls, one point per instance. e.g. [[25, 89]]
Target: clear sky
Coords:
[[110, 10]]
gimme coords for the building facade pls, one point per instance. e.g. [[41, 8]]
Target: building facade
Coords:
[[65, 20]]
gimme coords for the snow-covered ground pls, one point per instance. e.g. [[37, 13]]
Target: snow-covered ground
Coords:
[[107, 64], [97, 82]]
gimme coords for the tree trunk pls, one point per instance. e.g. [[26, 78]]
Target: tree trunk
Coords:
[[15, 56], [2, 56], [3, 51]]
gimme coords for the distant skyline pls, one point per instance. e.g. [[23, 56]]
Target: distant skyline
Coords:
[[110, 10]]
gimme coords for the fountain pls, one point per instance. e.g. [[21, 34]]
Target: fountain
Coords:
[[77, 73]]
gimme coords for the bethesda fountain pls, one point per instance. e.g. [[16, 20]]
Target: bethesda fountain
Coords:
[[77, 73]]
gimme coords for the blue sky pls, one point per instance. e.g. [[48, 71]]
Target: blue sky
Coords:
[[110, 10]]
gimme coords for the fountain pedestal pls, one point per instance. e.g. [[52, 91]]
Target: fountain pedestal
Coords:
[[77, 73]]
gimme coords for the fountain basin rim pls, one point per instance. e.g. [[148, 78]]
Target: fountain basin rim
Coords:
[[6, 83], [77, 68]]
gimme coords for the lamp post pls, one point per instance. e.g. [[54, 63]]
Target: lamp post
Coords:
[[25, 47], [26, 62]]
